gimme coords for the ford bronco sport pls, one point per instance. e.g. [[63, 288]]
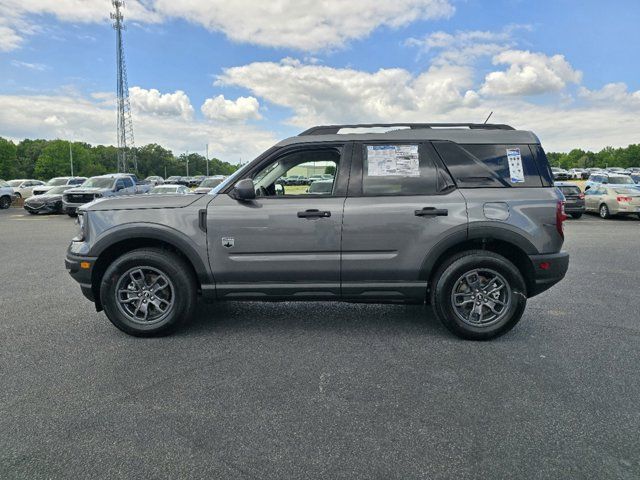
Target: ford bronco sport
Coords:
[[464, 217]]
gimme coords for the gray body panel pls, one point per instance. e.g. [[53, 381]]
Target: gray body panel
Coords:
[[384, 243], [273, 251]]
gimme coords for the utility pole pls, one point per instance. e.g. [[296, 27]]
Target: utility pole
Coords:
[[207, 157], [124, 123], [71, 158], [186, 157]]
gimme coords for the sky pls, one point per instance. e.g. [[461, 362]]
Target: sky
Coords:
[[240, 75]]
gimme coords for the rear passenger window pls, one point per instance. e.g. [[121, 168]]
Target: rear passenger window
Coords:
[[400, 169], [476, 166], [128, 182]]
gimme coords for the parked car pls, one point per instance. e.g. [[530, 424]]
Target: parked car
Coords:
[[209, 183], [6, 195], [296, 180], [47, 202], [314, 178], [57, 182], [168, 189], [177, 180], [615, 170], [574, 198], [155, 180], [608, 201], [194, 182], [578, 174], [467, 220], [560, 174], [24, 188], [321, 187], [635, 177], [97, 187], [142, 186], [613, 179]]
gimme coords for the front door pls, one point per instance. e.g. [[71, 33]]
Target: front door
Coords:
[[286, 242], [401, 203]]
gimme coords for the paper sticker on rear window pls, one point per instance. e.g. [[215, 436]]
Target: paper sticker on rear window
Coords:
[[516, 171], [393, 161]]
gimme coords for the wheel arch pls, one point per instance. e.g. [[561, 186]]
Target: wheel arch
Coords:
[[514, 247], [126, 239]]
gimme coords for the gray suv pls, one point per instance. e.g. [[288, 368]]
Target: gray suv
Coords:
[[464, 217]]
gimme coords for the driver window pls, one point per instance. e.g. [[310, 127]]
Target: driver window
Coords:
[[307, 172]]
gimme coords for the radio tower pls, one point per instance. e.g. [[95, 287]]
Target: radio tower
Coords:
[[125, 124]]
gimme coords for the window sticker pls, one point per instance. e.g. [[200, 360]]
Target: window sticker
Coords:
[[516, 172], [393, 161]]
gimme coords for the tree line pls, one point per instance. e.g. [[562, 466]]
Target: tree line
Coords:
[[45, 159], [607, 157]]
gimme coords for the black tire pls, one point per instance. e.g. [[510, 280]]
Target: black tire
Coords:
[[32, 212], [72, 215], [18, 195], [603, 211], [5, 202], [576, 215], [182, 286], [450, 274]]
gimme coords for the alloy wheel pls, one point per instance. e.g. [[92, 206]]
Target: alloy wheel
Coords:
[[481, 297], [145, 295]]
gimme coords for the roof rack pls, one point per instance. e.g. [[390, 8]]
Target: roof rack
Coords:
[[334, 129]]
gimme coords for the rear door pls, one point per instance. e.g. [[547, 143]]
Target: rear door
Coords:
[[401, 203]]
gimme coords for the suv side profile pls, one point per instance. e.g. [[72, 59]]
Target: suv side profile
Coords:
[[464, 217]]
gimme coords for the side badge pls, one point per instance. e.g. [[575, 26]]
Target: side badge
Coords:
[[227, 242]]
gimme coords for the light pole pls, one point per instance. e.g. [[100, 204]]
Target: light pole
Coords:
[[187, 159], [71, 158]]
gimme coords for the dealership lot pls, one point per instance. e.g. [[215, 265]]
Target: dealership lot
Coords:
[[320, 390]]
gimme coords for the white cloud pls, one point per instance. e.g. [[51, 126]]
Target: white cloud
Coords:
[[308, 25], [319, 93], [151, 101], [39, 67], [612, 93], [529, 74], [90, 120], [444, 93], [219, 108]]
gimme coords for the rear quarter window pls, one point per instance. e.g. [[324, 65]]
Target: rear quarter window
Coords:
[[482, 166]]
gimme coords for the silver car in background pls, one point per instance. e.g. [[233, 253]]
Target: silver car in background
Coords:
[[608, 201]]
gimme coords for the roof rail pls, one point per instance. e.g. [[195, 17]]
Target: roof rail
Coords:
[[334, 129]]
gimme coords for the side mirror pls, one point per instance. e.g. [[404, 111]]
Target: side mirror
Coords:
[[244, 190]]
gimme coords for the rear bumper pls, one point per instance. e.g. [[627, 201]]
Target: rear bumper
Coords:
[[548, 270], [77, 267], [574, 208]]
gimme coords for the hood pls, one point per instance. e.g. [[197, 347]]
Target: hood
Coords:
[[43, 188], [87, 190], [141, 202], [44, 198]]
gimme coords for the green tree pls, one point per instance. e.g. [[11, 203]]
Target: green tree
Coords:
[[330, 170], [8, 159], [55, 160]]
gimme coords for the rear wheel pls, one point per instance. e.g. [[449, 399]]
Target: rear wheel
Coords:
[[478, 295], [5, 202], [576, 215], [148, 292], [604, 211]]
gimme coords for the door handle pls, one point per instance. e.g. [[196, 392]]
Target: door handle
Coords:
[[314, 213], [432, 212]]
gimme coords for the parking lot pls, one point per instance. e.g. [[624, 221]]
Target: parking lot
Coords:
[[296, 390]]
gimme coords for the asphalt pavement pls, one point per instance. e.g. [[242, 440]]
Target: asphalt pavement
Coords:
[[320, 390]]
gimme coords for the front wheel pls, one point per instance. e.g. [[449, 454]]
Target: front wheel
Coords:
[[5, 202], [478, 295], [148, 292]]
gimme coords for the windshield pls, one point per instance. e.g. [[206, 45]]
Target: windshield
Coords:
[[54, 182], [57, 190], [15, 183], [620, 180], [211, 182], [570, 190], [98, 182], [3, 183]]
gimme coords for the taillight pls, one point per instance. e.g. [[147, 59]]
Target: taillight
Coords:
[[623, 199], [581, 196], [560, 217]]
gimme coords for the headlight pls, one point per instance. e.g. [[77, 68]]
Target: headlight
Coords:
[[84, 226]]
